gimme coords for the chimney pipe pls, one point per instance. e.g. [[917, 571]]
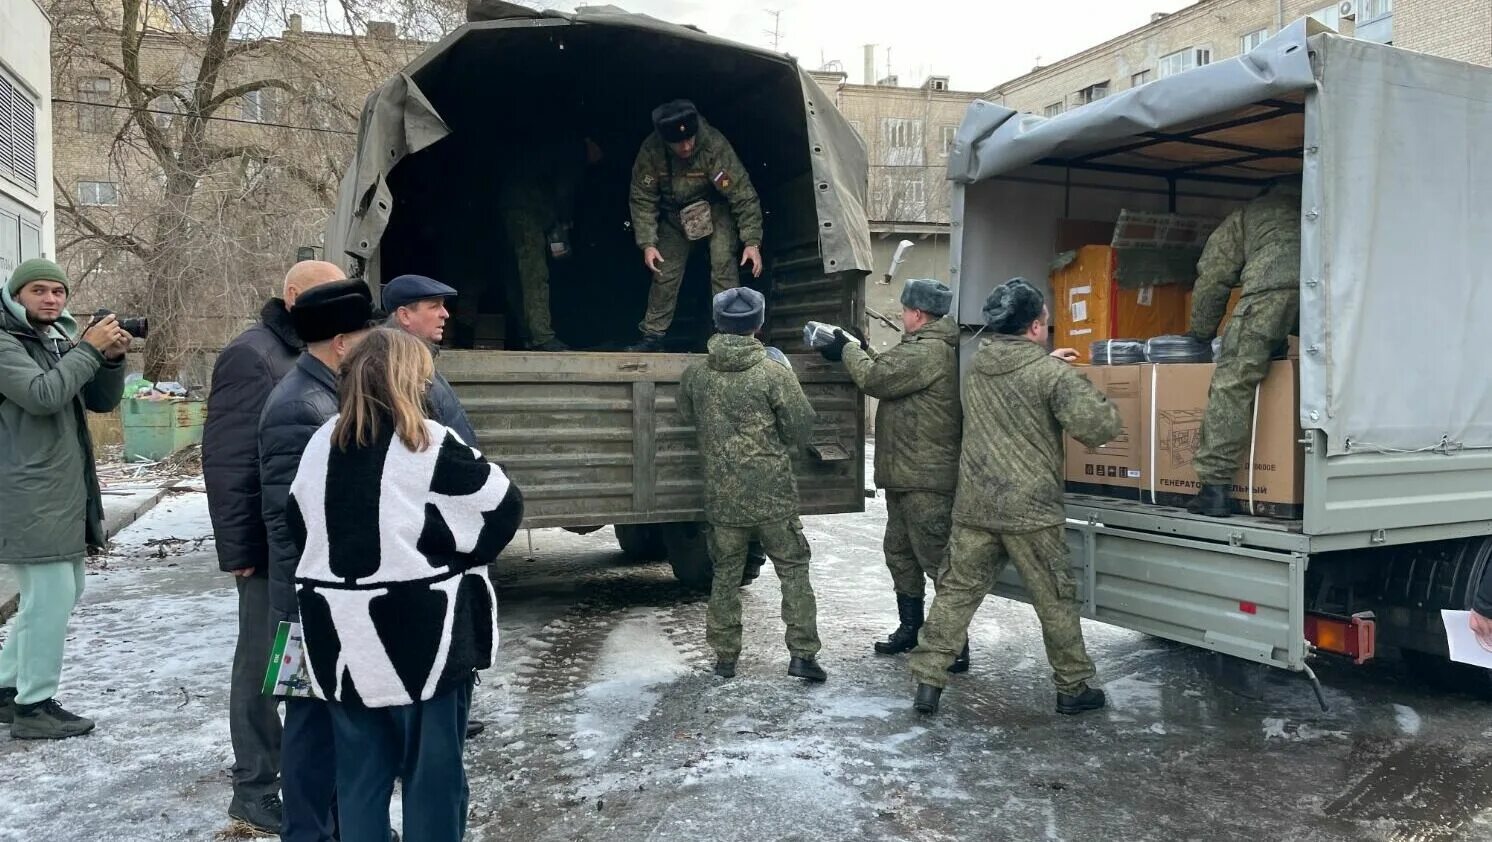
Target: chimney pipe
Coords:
[[870, 64]]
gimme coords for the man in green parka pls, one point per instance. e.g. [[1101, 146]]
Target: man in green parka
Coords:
[[53, 513]]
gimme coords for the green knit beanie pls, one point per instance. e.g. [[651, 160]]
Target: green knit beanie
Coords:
[[35, 269]]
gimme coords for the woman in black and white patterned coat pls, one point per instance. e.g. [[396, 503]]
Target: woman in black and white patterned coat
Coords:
[[397, 519]]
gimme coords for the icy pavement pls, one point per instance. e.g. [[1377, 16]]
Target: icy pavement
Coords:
[[605, 722]]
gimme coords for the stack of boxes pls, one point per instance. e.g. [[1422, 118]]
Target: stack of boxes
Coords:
[[1163, 405]]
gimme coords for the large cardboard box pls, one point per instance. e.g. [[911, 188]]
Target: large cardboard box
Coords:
[[1115, 469], [1089, 305], [1174, 399]]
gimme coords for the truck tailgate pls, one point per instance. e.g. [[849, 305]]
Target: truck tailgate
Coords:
[[595, 438]]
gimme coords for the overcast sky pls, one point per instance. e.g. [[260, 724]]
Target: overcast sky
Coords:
[[979, 43]]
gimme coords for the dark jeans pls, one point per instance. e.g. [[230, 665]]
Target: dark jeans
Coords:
[[309, 774], [253, 721], [421, 745]]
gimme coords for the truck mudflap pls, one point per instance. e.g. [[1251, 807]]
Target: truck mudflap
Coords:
[[1239, 600]]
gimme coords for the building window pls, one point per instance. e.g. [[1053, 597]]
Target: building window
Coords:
[[1329, 16], [1093, 93], [1139, 79], [1376, 10], [1248, 42], [901, 140], [98, 91], [950, 133], [17, 134], [1182, 61], [258, 105], [98, 193], [1052, 110]]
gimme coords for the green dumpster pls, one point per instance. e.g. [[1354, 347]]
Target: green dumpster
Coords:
[[154, 430]]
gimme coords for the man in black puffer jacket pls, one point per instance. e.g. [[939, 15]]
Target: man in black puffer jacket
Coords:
[[242, 378], [331, 319]]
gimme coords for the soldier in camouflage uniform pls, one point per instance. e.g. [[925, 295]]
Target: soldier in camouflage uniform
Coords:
[[752, 417], [1258, 248], [685, 166], [918, 424], [1018, 403], [536, 194]]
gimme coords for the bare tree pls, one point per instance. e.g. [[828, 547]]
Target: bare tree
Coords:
[[230, 132]]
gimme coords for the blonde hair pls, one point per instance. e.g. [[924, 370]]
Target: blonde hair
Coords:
[[384, 379]]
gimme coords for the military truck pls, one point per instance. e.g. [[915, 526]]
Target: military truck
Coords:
[[1395, 406], [593, 436]]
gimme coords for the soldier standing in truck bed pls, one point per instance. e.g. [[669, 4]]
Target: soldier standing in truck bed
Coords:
[[688, 185], [1256, 248]]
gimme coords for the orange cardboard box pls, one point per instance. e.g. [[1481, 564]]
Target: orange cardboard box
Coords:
[[1088, 304]]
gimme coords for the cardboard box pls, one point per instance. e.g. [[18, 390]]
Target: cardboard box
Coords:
[[1088, 304], [1174, 399], [1114, 469]]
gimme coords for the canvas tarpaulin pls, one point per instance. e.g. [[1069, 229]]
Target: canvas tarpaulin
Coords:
[[1397, 245], [398, 120]]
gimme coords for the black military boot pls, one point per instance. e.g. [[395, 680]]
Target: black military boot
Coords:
[[7, 705], [262, 815], [806, 668], [474, 727], [927, 698], [1211, 501], [961, 663], [904, 639], [1090, 699], [552, 346], [648, 344], [725, 669]]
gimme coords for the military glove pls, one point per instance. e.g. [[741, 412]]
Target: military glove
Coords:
[[834, 351]]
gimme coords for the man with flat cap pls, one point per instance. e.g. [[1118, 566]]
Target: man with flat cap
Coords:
[[688, 185], [330, 319], [417, 305], [1018, 403], [751, 417], [918, 420]]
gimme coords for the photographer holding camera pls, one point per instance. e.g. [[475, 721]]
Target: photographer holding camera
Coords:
[[50, 374]]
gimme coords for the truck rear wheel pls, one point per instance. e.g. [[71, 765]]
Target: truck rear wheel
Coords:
[[688, 553], [641, 541]]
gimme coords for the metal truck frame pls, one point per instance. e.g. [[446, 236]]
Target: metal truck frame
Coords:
[[1396, 416]]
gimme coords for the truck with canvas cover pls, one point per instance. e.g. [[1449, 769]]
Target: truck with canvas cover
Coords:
[[1365, 501], [592, 434]]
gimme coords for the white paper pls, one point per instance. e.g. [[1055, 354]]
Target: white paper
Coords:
[[1465, 648]]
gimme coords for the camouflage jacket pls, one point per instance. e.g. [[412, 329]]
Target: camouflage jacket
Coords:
[[1017, 403], [663, 184], [545, 178], [919, 416], [1256, 247], [752, 418]]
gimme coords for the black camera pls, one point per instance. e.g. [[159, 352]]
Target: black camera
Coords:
[[136, 326]]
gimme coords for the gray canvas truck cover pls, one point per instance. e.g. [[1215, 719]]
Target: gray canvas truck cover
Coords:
[[399, 120], [1396, 261]]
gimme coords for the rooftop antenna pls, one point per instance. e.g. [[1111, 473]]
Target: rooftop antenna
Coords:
[[775, 33]]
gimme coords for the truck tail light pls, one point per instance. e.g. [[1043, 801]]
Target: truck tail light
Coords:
[[1353, 637]]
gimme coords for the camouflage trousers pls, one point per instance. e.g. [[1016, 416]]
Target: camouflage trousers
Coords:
[[785, 545], [975, 559], [1261, 325], [917, 527], [725, 267], [528, 234]]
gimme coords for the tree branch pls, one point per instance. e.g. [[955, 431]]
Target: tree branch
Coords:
[[247, 88]]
